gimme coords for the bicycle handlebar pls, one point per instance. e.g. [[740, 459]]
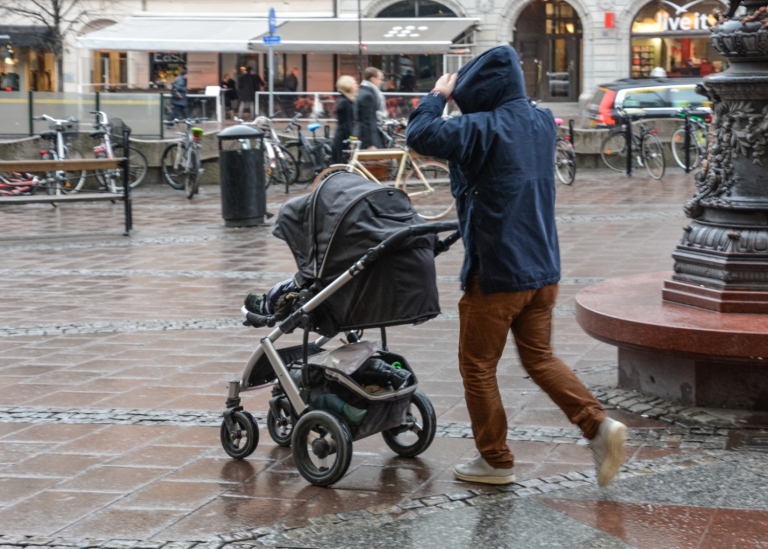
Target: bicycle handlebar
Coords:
[[54, 120]]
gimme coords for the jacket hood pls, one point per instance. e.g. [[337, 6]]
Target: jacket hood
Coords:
[[489, 80]]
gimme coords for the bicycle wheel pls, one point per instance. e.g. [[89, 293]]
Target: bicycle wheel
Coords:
[[288, 162], [613, 151], [137, 167], [332, 169], [107, 178], [72, 180], [304, 161], [192, 175], [653, 156], [565, 162], [678, 148], [172, 163], [431, 196]]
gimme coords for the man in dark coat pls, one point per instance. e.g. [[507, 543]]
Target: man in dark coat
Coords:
[[369, 107], [292, 80], [179, 97], [501, 157], [247, 86]]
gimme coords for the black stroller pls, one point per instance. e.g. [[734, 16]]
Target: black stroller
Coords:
[[366, 260]]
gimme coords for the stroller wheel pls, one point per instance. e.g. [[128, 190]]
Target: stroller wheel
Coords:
[[322, 447], [417, 431], [280, 426], [243, 439]]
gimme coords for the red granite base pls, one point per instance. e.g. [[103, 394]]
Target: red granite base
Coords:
[[698, 357]]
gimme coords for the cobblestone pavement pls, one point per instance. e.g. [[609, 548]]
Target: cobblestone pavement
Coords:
[[115, 353]]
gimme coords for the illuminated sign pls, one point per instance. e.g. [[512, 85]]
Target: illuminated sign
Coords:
[[677, 19]]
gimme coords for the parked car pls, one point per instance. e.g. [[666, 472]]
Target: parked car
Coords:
[[653, 98]]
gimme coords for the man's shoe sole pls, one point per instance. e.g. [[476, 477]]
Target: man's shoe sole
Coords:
[[612, 463], [509, 479]]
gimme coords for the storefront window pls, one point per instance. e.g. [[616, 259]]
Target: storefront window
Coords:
[[417, 8], [673, 40], [164, 66], [9, 69]]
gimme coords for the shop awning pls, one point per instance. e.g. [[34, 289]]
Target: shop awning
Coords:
[[379, 35], [241, 34], [177, 33], [23, 36]]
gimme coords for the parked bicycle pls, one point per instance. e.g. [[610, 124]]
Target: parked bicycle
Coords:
[[643, 149], [419, 177], [565, 157], [280, 167], [181, 163], [698, 137], [112, 180], [313, 156], [60, 148], [21, 184]]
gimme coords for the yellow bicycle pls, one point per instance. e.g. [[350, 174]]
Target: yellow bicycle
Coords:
[[423, 179]]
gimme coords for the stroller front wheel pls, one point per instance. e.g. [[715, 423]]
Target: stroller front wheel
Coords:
[[417, 431], [241, 441], [280, 425], [322, 447]]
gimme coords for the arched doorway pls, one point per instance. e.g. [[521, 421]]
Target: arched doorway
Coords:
[[548, 38]]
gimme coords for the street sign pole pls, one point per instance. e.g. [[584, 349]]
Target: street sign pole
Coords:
[[272, 26]]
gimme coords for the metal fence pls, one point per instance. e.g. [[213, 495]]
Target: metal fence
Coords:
[[144, 113]]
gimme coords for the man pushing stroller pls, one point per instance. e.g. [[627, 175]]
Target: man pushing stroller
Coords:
[[501, 153]]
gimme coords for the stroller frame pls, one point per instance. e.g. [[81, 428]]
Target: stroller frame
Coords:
[[319, 435]]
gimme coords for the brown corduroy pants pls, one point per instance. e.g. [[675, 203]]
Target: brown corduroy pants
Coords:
[[485, 320]]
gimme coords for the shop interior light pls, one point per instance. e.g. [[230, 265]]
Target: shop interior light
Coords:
[[10, 58]]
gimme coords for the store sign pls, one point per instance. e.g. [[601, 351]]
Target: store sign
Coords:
[[169, 58], [678, 19]]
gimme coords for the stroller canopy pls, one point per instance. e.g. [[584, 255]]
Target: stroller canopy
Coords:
[[334, 226], [330, 229]]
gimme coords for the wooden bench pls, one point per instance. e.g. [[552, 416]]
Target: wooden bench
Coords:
[[91, 164]]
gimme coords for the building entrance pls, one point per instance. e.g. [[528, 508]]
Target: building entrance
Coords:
[[549, 39]]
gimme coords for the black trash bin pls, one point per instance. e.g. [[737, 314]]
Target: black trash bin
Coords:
[[241, 168]]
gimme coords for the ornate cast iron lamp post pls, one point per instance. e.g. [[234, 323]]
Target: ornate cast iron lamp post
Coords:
[[706, 342], [721, 262]]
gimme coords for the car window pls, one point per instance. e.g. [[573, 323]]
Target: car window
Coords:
[[598, 97], [644, 99], [683, 97]]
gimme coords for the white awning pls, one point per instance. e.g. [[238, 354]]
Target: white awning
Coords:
[[177, 33], [241, 34], [378, 35]]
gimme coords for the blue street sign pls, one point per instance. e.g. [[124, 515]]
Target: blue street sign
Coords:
[[271, 40], [272, 21]]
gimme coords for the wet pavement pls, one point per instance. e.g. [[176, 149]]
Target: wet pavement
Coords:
[[115, 353]]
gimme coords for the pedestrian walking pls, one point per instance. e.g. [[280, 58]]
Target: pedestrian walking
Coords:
[[368, 109], [247, 86], [179, 98], [291, 82], [345, 116], [500, 153]]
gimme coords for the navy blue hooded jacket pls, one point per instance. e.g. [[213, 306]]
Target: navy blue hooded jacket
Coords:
[[501, 157]]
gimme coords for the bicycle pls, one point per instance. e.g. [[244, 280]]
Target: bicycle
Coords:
[[280, 166], [20, 184], [645, 148], [565, 157], [59, 148], [698, 135], [181, 162], [312, 157], [112, 180], [423, 178]]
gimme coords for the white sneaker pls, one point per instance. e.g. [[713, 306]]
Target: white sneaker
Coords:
[[608, 450], [478, 470]]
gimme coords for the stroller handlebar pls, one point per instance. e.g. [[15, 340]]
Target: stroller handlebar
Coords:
[[394, 241]]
